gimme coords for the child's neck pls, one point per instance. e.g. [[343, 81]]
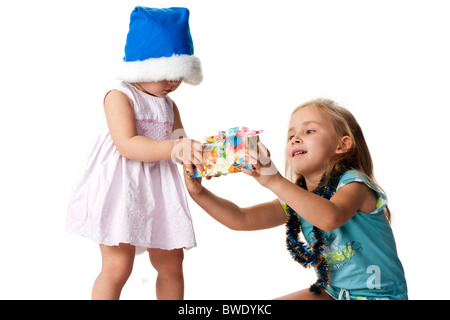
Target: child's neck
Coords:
[[312, 181], [139, 87]]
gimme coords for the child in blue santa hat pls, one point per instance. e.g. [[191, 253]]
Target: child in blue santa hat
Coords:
[[130, 196]]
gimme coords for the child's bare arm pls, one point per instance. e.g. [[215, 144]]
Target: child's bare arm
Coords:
[[122, 127], [322, 213], [261, 216]]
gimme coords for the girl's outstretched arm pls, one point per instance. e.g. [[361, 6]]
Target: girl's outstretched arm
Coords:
[[320, 212], [325, 214], [262, 216]]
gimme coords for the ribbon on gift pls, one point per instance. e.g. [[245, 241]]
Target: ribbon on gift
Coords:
[[246, 132]]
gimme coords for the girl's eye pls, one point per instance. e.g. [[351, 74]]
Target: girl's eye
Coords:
[[290, 138], [310, 131]]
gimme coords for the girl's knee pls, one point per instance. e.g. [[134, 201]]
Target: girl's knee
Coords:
[[118, 270], [117, 263], [169, 262]]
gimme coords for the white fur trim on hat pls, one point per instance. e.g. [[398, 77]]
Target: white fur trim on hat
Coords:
[[186, 67]]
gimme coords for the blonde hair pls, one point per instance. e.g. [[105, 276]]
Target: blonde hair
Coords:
[[344, 124]]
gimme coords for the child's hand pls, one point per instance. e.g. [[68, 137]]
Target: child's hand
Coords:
[[194, 185], [264, 171], [189, 152]]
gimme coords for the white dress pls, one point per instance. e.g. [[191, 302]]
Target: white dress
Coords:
[[117, 200]]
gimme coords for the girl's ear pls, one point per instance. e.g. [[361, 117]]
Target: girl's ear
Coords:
[[344, 145]]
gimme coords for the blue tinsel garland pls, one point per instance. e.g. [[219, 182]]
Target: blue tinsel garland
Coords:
[[311, 256]]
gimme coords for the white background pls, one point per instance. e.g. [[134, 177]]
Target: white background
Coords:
[[386, 61]]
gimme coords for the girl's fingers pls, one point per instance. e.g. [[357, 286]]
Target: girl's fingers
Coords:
[[197, 155], [263, 149], [264, 155], [248, 172], [200, 167], [253, 157], [189, 169]]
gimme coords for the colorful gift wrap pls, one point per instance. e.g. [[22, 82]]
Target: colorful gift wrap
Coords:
[[227, 152]]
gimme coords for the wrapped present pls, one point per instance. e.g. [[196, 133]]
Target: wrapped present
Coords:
[[227, 152]]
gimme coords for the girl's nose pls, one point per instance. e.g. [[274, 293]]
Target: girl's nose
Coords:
[[296, 140]]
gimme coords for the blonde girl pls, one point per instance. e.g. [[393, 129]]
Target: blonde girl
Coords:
[[330, 195]]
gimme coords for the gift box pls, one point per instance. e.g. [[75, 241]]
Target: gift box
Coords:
[[227, 152]]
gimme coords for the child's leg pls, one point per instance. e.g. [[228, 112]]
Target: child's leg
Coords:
[[305, 294], [169, 265], [117, 264]]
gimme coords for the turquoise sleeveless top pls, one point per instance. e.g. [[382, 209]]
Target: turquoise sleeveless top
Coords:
[[361, 254]]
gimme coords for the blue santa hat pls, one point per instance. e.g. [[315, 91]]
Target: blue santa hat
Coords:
[[159, 47]]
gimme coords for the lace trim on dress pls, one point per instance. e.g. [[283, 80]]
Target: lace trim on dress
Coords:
[[156, 130]]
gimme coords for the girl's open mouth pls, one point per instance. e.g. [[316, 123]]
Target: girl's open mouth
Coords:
[[297, 152]]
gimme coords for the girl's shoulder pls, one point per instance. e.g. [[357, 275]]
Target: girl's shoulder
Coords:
[[357, 176], [145, 103], [352, 176], [127, 89], [123, 88]]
